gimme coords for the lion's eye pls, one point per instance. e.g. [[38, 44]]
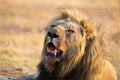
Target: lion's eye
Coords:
[[70, 31]]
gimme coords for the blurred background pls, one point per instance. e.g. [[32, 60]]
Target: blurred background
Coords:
[[21, 22]]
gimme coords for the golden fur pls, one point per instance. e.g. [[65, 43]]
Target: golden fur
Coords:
[[83, 55]]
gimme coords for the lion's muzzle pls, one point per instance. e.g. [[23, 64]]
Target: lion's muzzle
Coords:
[[54, 40]]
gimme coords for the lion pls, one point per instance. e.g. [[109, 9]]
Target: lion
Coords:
[[74, 51]]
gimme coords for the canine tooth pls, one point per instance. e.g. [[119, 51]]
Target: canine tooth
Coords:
[[55, 52], [48, 49]]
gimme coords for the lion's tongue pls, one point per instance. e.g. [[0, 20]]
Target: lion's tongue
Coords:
[[53, 50]]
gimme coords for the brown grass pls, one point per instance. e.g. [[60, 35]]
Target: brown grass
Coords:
[[19, 52]]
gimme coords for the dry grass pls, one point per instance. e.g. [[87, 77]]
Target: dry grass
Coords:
[[20, 52], [21, 22]]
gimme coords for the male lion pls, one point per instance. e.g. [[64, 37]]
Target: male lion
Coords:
[[73, 51]]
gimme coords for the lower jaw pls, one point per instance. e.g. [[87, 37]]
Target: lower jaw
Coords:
[[52, 60]]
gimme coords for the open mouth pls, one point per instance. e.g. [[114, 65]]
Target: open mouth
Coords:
[[52, 51]]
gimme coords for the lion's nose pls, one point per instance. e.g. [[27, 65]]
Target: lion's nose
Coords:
[[53, 35]]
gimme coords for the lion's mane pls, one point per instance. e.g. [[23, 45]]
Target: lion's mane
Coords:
[[89, 63]]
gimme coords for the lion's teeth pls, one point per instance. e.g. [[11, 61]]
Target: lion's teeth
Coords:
[[48, 50], [55, 52]]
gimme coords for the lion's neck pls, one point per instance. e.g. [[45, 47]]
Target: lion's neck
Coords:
[[78, 73]]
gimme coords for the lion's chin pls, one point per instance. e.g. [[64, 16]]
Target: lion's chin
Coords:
[[52, 60]]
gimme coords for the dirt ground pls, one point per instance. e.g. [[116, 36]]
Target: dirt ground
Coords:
[[22, 21]]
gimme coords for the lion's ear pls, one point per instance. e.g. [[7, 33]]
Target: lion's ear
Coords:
[[90, 41], [88, 29]]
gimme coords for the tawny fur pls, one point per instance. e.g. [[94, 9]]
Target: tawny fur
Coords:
[[83, 53]]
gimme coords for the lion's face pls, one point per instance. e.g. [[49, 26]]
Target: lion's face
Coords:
[[62, 41]]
